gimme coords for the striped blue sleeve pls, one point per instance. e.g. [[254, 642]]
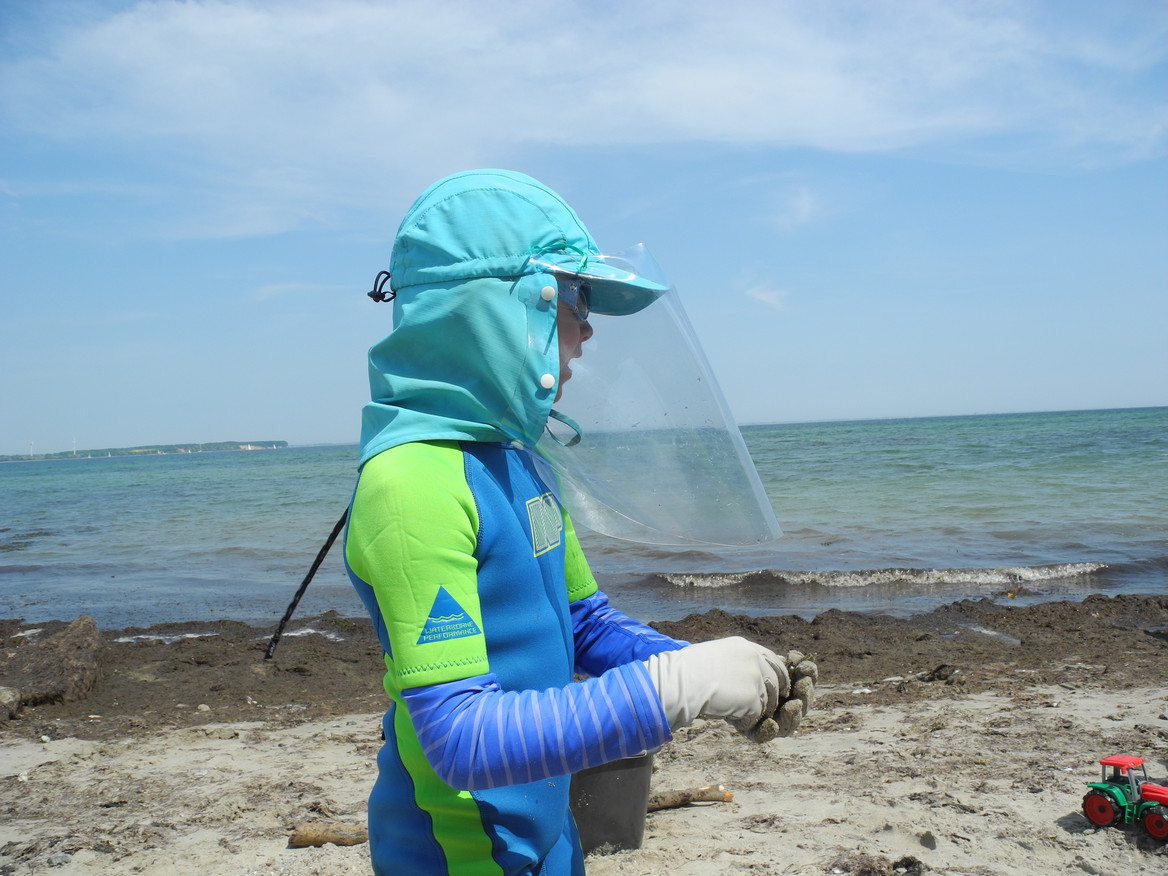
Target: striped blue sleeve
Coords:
[[476, 735], [604, 637]]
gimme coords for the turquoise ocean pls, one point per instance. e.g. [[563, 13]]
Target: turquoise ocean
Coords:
[[893, 516]]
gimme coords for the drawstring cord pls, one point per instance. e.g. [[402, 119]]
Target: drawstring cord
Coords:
[[567, 421], [584, 255], [379, 294]]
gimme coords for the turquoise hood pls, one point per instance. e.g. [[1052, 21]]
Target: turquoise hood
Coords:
[[474, 346]]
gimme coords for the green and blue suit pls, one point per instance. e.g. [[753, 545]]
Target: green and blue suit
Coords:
[[467, 562]]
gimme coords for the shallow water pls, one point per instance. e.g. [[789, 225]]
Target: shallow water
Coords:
[[889, 515]]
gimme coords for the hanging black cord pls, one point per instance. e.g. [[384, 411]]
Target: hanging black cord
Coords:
[[304, 585], [378, 294]]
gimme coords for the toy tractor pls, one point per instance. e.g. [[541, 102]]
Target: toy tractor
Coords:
[[1127, 796]]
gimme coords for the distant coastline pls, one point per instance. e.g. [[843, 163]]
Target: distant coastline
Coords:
[[151, 450]]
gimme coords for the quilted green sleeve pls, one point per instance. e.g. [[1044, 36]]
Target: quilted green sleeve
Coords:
[[412, 536]]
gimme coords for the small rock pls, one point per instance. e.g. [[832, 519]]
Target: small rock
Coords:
[[928, 839], [203, 707], [9, 702], [943, 672], [60, 668]]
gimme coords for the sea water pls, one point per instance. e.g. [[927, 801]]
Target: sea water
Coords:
[[893, 516]]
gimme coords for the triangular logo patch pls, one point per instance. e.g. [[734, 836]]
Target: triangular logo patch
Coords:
[[447, 620]]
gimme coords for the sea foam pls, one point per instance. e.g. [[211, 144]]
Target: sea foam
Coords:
[[1003, 577]]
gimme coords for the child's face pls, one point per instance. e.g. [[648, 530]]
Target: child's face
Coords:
[[572, 334]]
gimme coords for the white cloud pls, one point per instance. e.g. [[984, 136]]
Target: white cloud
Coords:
[[796, 207], [278, 112], [768, 295]]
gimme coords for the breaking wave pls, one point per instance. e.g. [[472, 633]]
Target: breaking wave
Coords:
[[908, 578]]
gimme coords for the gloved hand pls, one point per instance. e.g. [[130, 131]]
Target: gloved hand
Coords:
[[729, 678], [804, 676]]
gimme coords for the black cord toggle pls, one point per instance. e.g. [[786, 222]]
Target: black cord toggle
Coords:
[[378, 294]]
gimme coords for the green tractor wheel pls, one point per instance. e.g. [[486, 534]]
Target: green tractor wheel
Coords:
[[1100, 809], [1155, 822]]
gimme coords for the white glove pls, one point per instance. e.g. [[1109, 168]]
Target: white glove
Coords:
[[729, 678], [804, 676]]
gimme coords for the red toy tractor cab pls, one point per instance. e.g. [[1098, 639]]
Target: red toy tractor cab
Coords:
[[1127, 796]]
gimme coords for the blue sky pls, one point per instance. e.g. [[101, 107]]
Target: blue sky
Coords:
[[869, 209]]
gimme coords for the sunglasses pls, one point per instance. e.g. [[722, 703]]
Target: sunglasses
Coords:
[[574, 292]]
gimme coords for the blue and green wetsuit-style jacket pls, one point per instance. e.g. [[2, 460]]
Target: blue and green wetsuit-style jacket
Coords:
[[468, 564], [485, 609]]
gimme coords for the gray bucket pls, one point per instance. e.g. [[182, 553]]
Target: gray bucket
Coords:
[[609, 803]]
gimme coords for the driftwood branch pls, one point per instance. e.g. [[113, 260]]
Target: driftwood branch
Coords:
[[674, 799], [316, 834]]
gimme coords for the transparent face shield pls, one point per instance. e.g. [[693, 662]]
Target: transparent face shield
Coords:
[[641, 440]]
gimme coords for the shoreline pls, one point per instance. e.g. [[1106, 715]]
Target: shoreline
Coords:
[[961, 739], [661, 596]]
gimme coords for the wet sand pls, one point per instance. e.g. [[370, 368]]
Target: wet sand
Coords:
[[954, 742]]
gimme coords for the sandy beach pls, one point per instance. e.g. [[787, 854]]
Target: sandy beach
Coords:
[[955, 742]]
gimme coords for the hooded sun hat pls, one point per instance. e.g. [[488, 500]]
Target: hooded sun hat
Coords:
[[645, 448], [499, 223], [473, 278]]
